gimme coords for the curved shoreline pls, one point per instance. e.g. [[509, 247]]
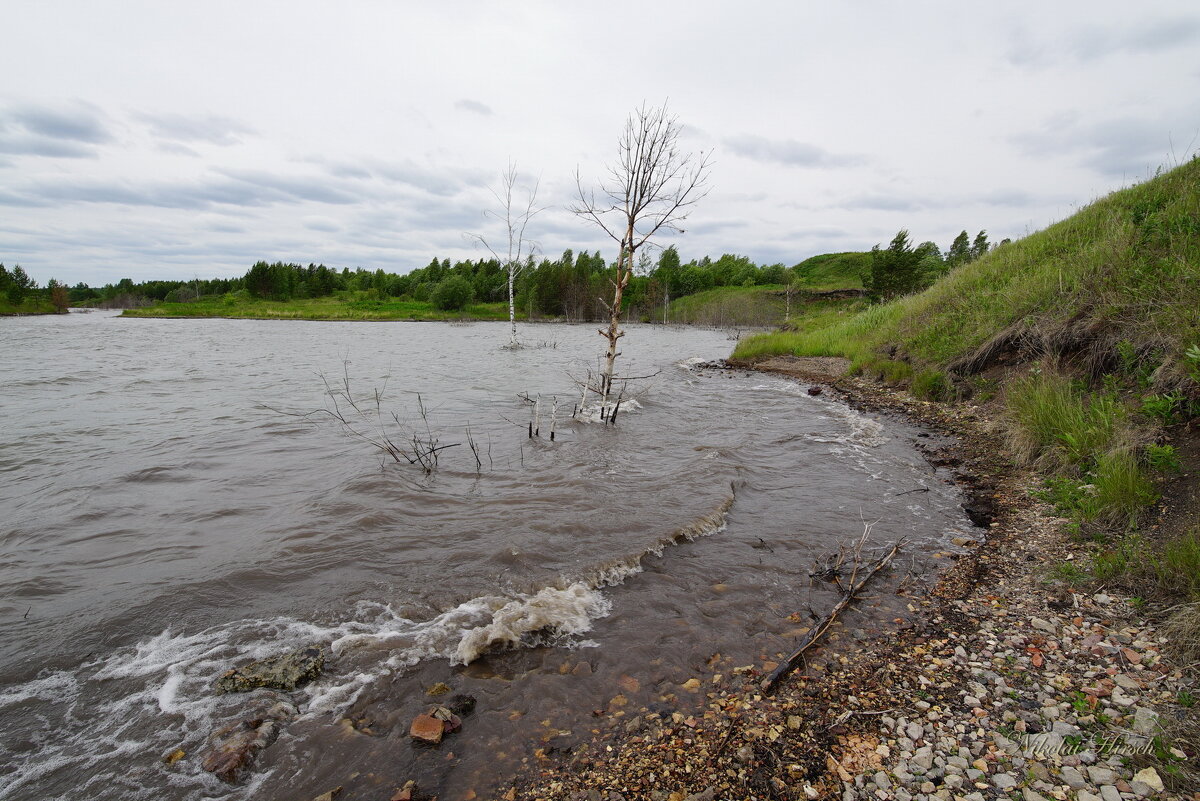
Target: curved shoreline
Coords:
[[1004, 684]]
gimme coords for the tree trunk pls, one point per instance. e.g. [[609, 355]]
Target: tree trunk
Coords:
[[512, 309], [614, 332]]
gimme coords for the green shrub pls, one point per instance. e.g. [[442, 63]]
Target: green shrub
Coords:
[[1163, 408], [932, 385], [1163, 458], [1055, 422], [453, 294]]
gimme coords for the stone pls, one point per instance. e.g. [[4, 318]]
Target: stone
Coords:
[[1145, 721], [1110, 793], [1073, 778], [235, 746], [881, 780], [285, 672], [706, 795], [1003, 781], [427, 729], [691, 685], [1101, 775], [232, 749], [1084, 795], [1030, 795], [914, 731], [1043, 625], [1150, 778]]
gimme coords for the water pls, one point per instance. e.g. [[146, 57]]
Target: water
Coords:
[[158, 525]]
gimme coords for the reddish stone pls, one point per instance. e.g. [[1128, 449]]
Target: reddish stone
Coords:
[[427, 728]]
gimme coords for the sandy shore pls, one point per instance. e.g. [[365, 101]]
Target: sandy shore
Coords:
[[1006, 684]]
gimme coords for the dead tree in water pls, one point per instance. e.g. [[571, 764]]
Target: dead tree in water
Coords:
[[851, 566], [519, 251], [365, 420], [651, 188]]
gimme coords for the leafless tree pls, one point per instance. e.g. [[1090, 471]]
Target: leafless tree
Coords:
[[516, 249], [651, 188]]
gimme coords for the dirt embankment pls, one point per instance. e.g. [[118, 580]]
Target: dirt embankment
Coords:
[[1007, 684]]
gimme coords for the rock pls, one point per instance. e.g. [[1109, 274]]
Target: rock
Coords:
[[461, 704], [174, 756], [914, 731], [441, 688], [882, 781], [231, 749], [1084, 795], [1074, 778], [1150, 778], [1145, 721], [427, 729], [1003, 781], [1119, 697], [234, 747], [584, 668], [814, 390], [691, 685], [330, 794], [628, 684], [285, 672], [1030, 795], [1110, 793], [1043, 625], [1101, 775], [706, 795]]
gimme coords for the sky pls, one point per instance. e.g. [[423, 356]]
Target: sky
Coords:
[[172, 140]]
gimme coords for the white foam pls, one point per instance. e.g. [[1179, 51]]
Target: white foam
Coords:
[[591, 412]]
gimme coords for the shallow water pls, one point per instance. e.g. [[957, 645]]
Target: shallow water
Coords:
[[159, 525]]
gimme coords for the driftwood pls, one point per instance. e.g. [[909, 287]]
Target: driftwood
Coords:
[[854, 584]]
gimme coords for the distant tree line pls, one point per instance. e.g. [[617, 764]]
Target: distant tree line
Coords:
[[569, 287]]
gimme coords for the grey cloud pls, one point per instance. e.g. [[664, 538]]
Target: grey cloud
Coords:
[[474, 106], [789, 152], [279, 187], [26, 145], [210, 128], [442, 181], [178, 149], [78, 125], [1092, 42], [43, 131], [321, 224], [878, 202], [1121, 147]]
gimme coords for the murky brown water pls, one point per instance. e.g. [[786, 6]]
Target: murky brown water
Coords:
[[157, 527]]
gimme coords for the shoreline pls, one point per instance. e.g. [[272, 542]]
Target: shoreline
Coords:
[[1005, 685]]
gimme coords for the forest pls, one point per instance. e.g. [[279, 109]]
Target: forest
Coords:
[[567, 288]]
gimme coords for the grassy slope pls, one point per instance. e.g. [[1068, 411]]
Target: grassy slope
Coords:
[[832, 271], [329, 308], [1126, 267]]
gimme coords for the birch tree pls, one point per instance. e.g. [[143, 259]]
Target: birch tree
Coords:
[[651, 188], [513, 251]]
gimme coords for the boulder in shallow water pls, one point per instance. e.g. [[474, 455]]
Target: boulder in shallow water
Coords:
[[285, 672], [233, 747]]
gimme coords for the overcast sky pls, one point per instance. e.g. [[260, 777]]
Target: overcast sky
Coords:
[[164, 139]]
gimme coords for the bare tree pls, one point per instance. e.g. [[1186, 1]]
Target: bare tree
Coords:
[[651, 188], [517, 249]]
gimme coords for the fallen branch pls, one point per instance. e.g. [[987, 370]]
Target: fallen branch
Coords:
[[851, 589]]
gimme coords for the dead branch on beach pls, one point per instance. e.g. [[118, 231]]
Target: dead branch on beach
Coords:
[[850, 570]]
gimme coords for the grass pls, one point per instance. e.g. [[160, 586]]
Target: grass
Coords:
[[326, 308], [832, 271], [731, 306], [29, 306]]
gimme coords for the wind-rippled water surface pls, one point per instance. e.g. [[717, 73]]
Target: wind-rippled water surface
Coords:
[[158, 525]]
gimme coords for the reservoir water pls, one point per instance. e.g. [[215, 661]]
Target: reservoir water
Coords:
[[170, 509]]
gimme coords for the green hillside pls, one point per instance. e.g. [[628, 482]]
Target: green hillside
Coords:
[[832, 271]]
